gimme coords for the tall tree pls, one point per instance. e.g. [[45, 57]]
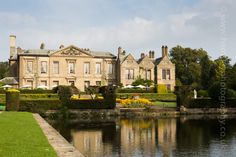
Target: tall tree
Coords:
[[187, 62], [3, 69], [207, 72]]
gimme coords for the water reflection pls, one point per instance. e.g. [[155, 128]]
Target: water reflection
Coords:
[[149, 137]]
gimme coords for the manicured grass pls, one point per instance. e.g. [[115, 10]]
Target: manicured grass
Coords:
[[164, 104], [2, 98], [2, 108], [21, 136]]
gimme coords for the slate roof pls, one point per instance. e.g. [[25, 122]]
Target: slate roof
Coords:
[[9, 80], [158, 60], [43, 52]]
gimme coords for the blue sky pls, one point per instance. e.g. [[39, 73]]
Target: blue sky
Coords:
[[136, 25]]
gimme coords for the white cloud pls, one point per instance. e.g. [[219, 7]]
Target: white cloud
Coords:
[[196, 26]]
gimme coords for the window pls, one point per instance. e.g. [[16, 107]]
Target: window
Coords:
[[71, 67], [29, 83], [43, 67], [86, 84], [129, 74], [72, 83], [29, 67], [55, 67], [98, 83], [43, 83], [55, 83], [110, 68], [148, 75], [98, 68], [86, 68], [168, 87], [166, 74]]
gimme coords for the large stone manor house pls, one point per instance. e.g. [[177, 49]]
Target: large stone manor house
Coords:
[[84, 67]]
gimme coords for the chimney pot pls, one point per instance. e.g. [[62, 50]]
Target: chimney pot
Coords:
[[12, 45]]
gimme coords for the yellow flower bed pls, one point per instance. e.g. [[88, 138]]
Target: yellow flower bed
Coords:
[[141, 102]]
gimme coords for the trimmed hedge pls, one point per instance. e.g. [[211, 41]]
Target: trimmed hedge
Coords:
[[169, 97], [210, 103], [39, 105], [2, 91], [12, 100], [161, 88], [90, 104], [136, 90], [39, 96], [36, 91]]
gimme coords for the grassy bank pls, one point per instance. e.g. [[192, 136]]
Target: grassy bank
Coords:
[[21, 136]]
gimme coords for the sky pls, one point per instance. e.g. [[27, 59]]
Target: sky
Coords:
[[135, 25]]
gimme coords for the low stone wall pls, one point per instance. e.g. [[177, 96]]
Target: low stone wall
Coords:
[[184, 110], [62, 147]]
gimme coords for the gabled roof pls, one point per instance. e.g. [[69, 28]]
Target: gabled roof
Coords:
[[158, 60], [125, 58]]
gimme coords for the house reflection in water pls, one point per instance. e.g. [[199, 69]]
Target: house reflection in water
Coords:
[[166, 135], [137, 135], [128, 138], [90, 143]]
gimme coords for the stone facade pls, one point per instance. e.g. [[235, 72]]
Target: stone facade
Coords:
[[160, 70], [83, 67]]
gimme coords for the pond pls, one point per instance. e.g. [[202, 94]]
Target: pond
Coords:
[[144, 137]]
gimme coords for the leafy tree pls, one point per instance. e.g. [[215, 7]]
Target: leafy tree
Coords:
[[3, 69], [140, 81], [207, 72], [187, 62]]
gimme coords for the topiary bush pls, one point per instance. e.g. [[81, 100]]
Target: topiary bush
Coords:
[[202, 93], [161, 88], [12, 100]]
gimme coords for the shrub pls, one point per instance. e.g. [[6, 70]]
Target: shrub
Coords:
[[202, 93], [90, 104], [210, 103], [150, 96], [231, 93], [12, 100], [65, 93], [38, 96], [39, 106], [161, 88], [35, 91], [214, 91], [135, 90]]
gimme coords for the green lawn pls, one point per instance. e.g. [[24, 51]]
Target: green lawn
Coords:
[[21, 136], [164, 104]]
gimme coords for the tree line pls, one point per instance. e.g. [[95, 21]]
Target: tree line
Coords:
[[196, 68]]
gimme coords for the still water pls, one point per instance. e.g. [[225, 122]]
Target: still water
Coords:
[[188, 136]]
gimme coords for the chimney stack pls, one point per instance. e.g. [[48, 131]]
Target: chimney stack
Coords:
[[61, 47], [150, 54], [42, 46], [166, 51], [12, 45], [142, 55], [120, 50], [163, 50], [153, 54]]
